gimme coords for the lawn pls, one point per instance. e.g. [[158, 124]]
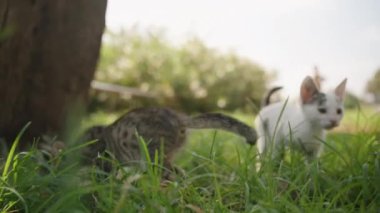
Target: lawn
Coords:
[[218, 174]]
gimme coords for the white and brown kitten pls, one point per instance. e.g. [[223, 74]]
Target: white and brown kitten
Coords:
[[301, 124]]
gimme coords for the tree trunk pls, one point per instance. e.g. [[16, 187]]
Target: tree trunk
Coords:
[[48, 55]]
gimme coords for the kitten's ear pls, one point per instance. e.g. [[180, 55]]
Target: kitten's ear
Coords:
[[340, 90], [308, 90]]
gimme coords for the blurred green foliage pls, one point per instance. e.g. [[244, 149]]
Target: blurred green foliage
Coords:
[[373, 86], [351, 101], [190, 76]]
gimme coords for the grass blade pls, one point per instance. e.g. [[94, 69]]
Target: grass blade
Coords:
[[12, 151]]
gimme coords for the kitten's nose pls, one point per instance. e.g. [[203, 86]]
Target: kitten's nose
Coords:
[[334, 123]]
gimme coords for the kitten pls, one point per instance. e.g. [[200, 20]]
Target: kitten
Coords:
[[156, 126], [301, 124]]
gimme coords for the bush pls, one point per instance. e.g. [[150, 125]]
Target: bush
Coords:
[[351, 101], [373, 86], [191, 76]]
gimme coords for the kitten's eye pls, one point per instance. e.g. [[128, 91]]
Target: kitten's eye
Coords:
[[339, 111], [322, 110]]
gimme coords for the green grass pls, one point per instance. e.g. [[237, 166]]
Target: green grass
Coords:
[[219, 175]]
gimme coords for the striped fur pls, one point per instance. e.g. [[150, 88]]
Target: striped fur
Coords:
[[156, 126]]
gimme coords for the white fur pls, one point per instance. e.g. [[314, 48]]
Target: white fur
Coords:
[[301, 125]]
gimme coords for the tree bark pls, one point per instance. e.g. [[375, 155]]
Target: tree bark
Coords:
[[48, 55]]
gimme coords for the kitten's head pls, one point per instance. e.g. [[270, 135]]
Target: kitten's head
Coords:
[[324, 110]]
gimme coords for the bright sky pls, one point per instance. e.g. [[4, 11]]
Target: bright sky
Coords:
[[342, 37]]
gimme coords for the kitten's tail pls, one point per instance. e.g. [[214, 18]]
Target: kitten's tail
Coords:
[[266, 100], [223, 122]]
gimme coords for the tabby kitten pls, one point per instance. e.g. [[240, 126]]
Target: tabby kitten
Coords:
[[156, 126]]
